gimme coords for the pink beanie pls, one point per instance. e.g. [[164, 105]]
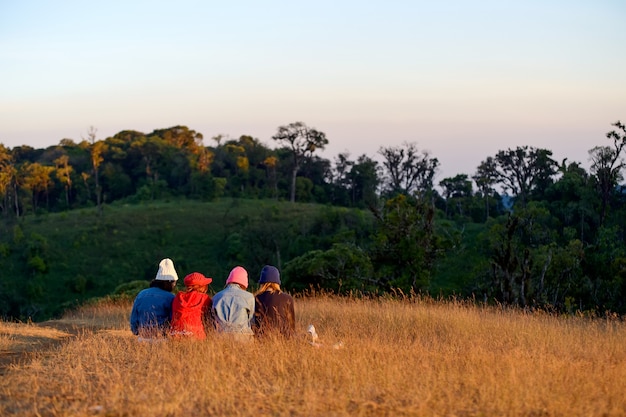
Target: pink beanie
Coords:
[[238, 276]]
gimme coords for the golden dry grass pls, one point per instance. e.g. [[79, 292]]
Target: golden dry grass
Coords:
[[399, 358], [20, 338]]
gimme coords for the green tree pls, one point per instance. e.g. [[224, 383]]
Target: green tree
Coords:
[[270, 164], [35, 180], [457, 191], [605, 263], [486, 177], [342, 268], [303, 141], [574, 201], [560, 279], [64, 175], [7, 173], [513, 242], [364, 180], [404, 245], [524, 170], [340, 180]]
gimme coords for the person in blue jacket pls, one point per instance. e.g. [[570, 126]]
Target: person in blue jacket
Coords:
[[152, 308]]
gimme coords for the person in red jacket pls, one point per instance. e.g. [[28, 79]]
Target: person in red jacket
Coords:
[[274, 310], [191, 308]]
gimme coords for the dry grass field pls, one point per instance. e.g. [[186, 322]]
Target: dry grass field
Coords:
[[399, 358]]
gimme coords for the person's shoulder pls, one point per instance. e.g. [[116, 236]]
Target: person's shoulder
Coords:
[[145, 292], [286, 296], [218, 295]]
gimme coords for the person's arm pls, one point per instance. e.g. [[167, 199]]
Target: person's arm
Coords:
[[134, 319], [291, 319], [207, 316], [169, 311], [256, 323], [251, 310]]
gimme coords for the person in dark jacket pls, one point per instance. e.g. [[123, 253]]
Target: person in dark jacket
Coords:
[[152, 308], [191, 308], [274, 311]]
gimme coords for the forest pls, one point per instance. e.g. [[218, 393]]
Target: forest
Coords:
[[522, 230]]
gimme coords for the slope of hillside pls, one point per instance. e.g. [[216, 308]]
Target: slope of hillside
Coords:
[[52, 262]]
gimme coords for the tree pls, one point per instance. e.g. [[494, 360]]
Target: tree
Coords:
[[513, 245], [405, 245], [7, 172], [180, 137], [63, 174], [36, 180], [408, 171], [303, 141], [606, 165], [486, 177], [270, 168], [314, 181], [523, 170], [606, 266], [456, 189], [340, 179], [342, 268], [574, 201], [96, 151], [364, 181]]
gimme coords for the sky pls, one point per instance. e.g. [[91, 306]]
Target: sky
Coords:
[[461, 79]]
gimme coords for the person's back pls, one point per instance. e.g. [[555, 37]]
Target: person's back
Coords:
[[152, 308], [274, 309], [233, 307], [190, 307]]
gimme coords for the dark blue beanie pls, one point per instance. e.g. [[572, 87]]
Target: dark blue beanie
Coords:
[[269, 274]]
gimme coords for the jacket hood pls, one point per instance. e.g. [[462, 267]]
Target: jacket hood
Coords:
[[191, 299]]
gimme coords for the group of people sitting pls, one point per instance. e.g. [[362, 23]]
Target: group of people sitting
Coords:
[[158, 313]]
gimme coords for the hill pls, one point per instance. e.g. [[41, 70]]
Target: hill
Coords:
[[56, 261]]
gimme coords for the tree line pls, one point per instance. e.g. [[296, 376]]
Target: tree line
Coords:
[[552, 233]]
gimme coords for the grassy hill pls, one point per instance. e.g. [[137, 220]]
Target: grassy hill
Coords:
[[51, 262]]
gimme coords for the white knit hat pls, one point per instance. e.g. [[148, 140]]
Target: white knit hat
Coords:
[[166, 271]]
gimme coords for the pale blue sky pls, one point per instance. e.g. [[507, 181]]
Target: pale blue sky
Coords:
[[462, 79]]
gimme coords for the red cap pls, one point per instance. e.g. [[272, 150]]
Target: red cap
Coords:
[[196, 278]]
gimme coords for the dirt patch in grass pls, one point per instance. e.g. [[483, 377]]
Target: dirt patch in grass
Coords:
[[20, 342]]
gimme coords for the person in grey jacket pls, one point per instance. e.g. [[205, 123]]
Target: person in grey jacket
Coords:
[[152, 309], [233, 307]]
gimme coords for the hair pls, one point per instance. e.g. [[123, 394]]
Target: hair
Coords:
[[164, 285], [270, 287], [198, 288], [237, 284]]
